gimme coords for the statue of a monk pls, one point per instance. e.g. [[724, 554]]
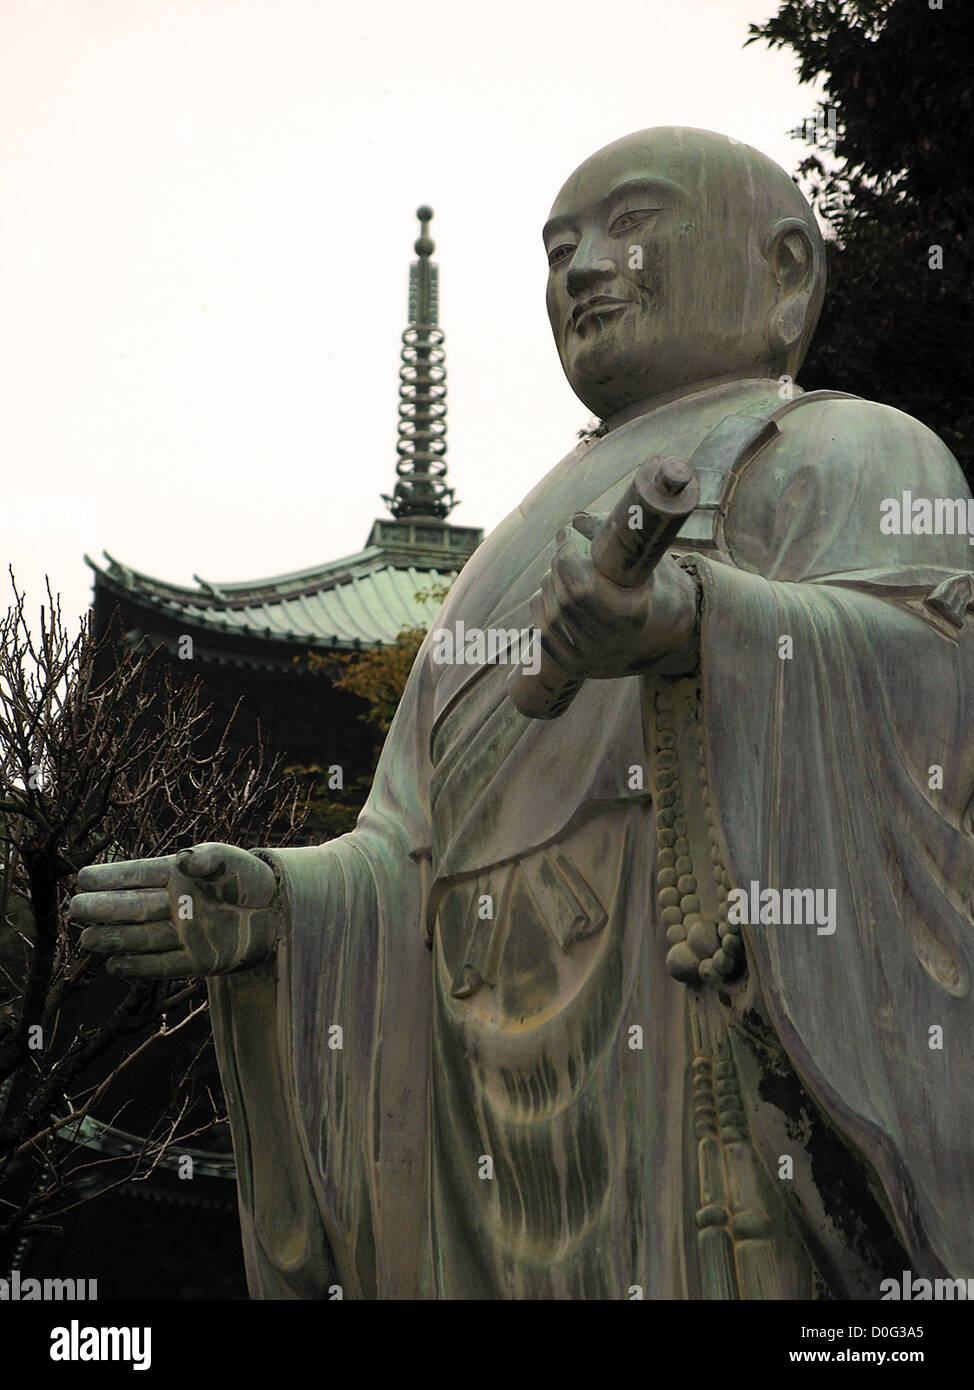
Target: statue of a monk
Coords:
[[666, 996]]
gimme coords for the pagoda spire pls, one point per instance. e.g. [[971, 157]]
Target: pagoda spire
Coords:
[[420, 489]]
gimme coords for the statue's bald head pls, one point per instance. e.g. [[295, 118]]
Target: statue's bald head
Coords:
[[678, 256]]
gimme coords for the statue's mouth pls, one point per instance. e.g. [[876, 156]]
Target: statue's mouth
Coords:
[[600, 307]]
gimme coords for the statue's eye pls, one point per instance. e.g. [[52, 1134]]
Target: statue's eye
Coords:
[[557, 254], [627, 220]]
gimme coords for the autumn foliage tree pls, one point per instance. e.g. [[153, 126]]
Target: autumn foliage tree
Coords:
[[377, 675]]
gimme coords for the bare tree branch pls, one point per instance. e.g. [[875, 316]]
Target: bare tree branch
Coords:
[[101, 754]]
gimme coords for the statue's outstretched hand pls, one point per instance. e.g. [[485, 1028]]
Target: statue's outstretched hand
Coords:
[[209, 910]]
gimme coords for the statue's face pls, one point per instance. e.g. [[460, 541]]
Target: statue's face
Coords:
[[656, 279]]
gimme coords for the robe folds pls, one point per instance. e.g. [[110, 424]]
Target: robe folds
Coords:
[[468, 1071]]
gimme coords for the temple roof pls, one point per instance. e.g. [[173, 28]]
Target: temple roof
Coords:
[[363, 605], [357, 601]]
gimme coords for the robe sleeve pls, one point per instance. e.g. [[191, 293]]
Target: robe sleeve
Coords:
[[848, 765], [323, 1050]]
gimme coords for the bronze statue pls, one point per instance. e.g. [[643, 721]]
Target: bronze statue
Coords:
[[646, 971]]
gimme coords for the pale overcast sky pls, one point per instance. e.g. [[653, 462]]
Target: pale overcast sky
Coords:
[[206, 220]]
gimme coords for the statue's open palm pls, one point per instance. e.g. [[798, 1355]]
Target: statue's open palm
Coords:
[[209, 910]]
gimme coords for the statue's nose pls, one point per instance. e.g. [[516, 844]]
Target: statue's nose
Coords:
[[585, 273]]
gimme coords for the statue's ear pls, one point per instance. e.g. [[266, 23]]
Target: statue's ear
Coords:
[[792, 257]]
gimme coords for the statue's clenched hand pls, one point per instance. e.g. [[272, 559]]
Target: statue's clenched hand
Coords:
[[595, 628], [209, 910]]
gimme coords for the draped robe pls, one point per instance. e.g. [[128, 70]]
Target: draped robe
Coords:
[[468, 1071]]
